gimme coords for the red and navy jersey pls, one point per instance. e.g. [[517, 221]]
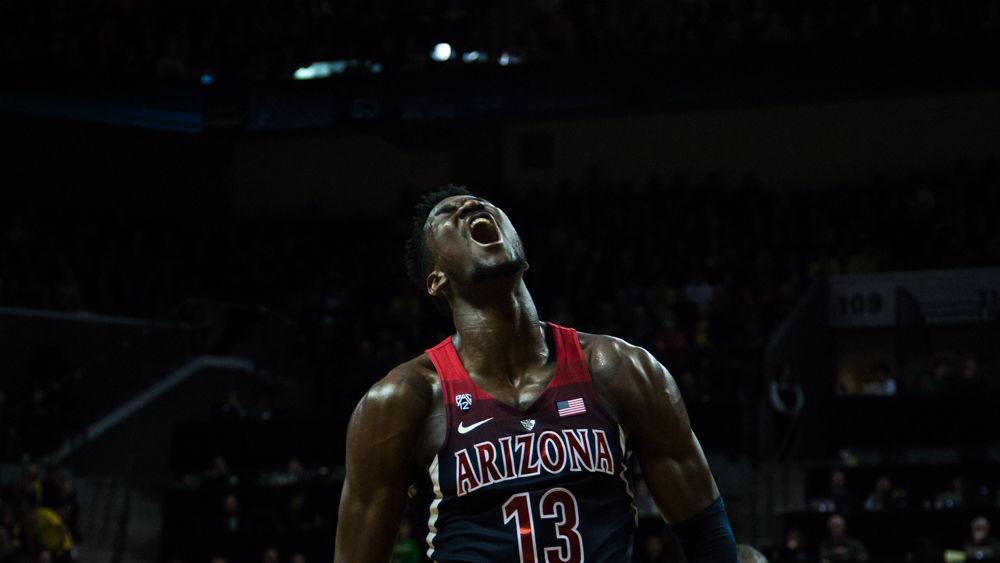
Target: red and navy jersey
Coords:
[[541, 485]]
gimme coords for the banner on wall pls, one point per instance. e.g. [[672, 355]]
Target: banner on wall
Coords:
[[945, 297]]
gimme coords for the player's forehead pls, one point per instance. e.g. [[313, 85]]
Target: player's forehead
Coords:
[[458, 199]]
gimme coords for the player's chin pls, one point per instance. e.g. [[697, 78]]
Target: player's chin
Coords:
[[498, 269]]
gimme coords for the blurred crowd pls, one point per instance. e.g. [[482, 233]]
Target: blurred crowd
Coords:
[[885, 495], [287, 515], [256, 40], [145, 268], [696, 271], [838, 545], [39, 517], [941, 502], [252, 513], [946, 375]]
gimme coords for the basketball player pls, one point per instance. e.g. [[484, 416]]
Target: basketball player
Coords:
[[523, 428]]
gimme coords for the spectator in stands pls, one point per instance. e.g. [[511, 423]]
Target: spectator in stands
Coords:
[[699, 291], [25, 493], [8, 430], [952, 497], [296, 471], [232, 407], [838, 546], [407, 548], [232, 521], [298, 516], [825, 266], [981, 546], [979, 496], [847, 383], [652, 550], [882, 383], [843, 499], [219, 476], [8, 549], [262, 407], [14, 527], [270, 555], [795, 549], [937, 380], [884, 497], [970, 380], [49, 533], [863, 261], [293, 474], [59, 494], [692, 390], [786, 399], [672, 343]]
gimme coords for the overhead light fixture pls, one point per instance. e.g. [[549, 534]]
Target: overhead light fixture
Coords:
[[509, 59], [321, 69], [442, 52], [474, 57]]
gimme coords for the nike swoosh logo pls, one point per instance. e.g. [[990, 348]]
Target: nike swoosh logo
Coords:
[[463, 429]]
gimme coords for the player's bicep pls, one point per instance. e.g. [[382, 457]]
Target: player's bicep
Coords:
[[367, 523], [672, 461], [380, 441]]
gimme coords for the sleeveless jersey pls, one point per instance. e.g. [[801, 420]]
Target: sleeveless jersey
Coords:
[[542, 485]]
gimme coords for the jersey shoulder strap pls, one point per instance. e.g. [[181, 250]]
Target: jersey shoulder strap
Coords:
[[456, 385], [573, 366]]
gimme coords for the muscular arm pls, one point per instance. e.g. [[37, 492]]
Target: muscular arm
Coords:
[[382, 441], [648, 405]]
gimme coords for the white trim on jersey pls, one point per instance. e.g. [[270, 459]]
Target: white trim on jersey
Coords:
[[434, 471], [628, 488]]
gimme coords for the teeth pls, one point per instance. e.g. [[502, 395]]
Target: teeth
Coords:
[[480, 220]]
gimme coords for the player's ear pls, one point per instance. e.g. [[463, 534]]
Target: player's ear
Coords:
[[435, 281]]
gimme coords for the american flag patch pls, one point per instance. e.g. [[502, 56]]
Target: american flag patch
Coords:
[[570, 407]]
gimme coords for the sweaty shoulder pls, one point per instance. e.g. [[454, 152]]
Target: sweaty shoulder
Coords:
[[395, 411], [627, 376], [408, 388]]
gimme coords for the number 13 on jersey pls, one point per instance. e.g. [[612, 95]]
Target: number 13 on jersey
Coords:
[[556, 504]]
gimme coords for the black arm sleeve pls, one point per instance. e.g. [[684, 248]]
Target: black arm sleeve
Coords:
[[707, 537]]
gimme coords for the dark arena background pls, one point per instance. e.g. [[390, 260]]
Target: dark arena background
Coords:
[[793, 205]]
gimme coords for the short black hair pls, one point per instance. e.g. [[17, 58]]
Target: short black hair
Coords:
[[418, 260]]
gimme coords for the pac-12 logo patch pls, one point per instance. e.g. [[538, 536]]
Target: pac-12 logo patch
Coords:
[[464, 401]]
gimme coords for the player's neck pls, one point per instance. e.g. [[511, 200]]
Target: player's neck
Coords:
[[502, 337]]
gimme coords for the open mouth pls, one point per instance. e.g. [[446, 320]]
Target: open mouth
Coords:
[[484, 231]]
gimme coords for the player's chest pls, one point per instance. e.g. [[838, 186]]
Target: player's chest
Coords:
[[557, 420], [519, 393], [490, 446]]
